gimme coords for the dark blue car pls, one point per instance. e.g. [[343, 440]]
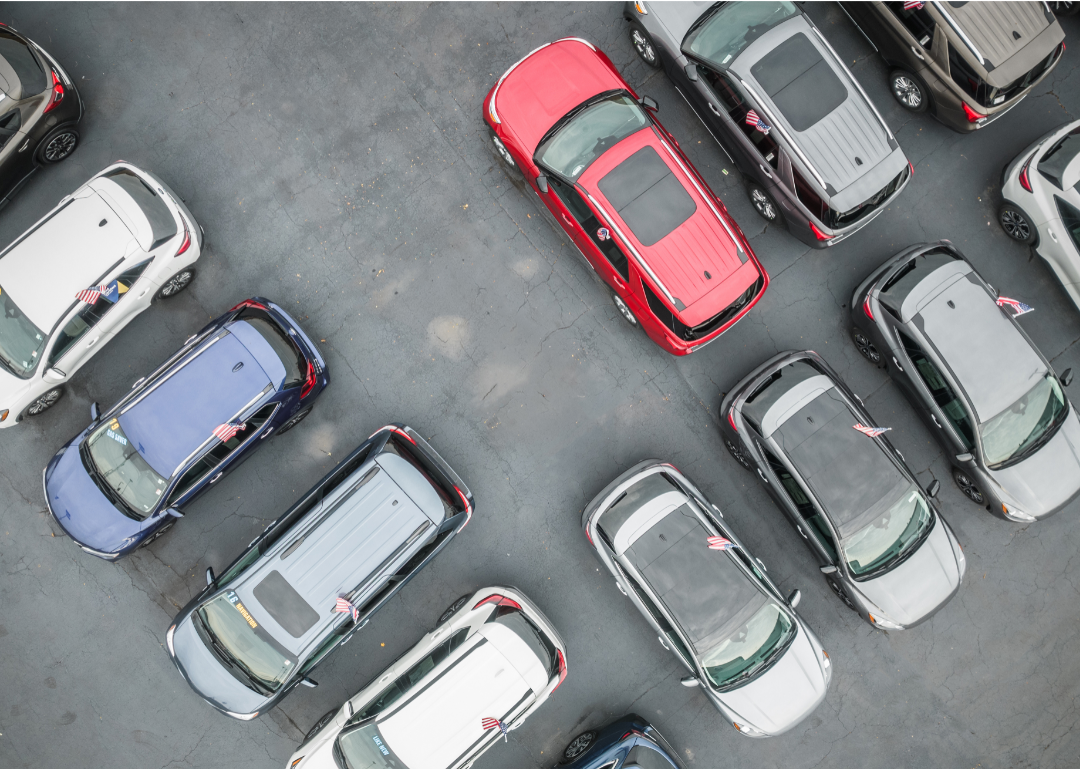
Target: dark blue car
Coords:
[[629, 741], [124, 481]]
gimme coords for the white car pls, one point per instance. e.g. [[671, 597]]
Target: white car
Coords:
[[78, 276], [1042, 205], [492, 656]]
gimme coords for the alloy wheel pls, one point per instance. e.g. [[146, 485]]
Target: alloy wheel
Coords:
[[60, 147], [836, 589], [967, 486], [44, 401], [763, 205], [626, 312], [907, 92], [737, 453], [177, 283], [503, 152], [579, 745], [866, 347], [156, 535], [293, 421], [453, 608], [1015, 225], [644, 47]]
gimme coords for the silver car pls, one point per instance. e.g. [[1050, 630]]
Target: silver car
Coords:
[[711, 602], [1041, 206]]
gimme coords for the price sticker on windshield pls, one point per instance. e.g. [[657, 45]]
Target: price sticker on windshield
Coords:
[[234, 600]]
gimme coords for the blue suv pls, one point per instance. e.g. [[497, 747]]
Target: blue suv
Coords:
[[629, 741], [123, 481]]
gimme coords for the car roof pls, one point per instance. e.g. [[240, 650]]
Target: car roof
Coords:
[[849, 473], [668, 221], [1003, 30], [759, 403], [548, 83], [993, 361], [439, 723], [819, 105], [204, 391], [349, 538], [706, 592], [67, 253]]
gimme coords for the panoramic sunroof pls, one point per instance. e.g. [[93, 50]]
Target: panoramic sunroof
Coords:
[[647, 196], [801, 83], [285, 605]]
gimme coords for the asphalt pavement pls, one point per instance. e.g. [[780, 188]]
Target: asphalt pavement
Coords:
[[336, 157]]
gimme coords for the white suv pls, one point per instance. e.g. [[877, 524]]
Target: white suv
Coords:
[[72, 281], [492, 656]]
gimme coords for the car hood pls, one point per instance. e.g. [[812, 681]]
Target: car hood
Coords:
[[11, 387], [78, 506], [207, 676], [912, 591], [317, 754], [677, 17], [785, 694], [1050, 478]]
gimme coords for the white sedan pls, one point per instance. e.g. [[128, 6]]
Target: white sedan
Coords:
[[78, 276]]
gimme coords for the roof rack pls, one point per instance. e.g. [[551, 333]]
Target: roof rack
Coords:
[[491, 106], [776, 125], [959, 32]]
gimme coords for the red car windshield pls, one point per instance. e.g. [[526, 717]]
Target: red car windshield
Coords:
[[590, 133]]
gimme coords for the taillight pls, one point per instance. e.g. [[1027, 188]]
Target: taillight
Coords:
[[57, 95], [866, 308], [731, 418], [248, 303], [972, 116], [911, 168], [498, 600], [818, 234], [1025, 182], [187, 241], [587, 533], [309, 383], [562, 669], [411, 440]]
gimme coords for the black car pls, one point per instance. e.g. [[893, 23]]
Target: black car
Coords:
[[629, 741], [985, 391], [40, 109], [881, 544], [357, 536]]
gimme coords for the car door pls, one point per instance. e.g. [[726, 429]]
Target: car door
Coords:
[[13, 164], [803, 514], [897, 34], [78, 337], [935, 398], [227, 455], [1059, 245], [134, 293], [670, 637]]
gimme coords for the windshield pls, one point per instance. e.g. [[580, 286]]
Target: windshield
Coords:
[[731, 28], [590, 134], [1024, 426], [238, 638], [888, 536], [162, 223], [364, 747], [21, 342], [29, 73], [124, 470], [750, 647]]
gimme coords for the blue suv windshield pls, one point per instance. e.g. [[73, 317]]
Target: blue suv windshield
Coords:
[[120, 466]]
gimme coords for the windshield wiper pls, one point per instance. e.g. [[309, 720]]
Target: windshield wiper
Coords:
[[231, 660], [1037, 444], [95, 475]]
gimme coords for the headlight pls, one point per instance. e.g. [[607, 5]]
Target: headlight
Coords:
[[4, 414], [168, 639], [245, 717], [882, 622], [1015, 514], [825, 662], [100, 554], [753, 732], [639, 6], [295, 762]]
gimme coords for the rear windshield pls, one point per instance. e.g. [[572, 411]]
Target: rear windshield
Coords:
[[1057, 158], [722, 36], [162, 222], [985, 94], [291, 357], [21, 342], [31, 76], [590, 133], [516, 621]]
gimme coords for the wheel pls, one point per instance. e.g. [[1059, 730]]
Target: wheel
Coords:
[[866, 347], [45, 401], [839, 591], [453, 608], [1016, 224], [624, 310], [58, 144], [323, 720], [579, 745], [157, 534], [763, 203], [967, 486], [503, 153], [1065, 8], [295, 420], [177, 283], [908, 90], [737, 453], [644, 46]]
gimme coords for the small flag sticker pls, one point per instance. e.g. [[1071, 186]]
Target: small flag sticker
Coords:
[[490, 723], [871, 432], [603, 233], [344, 605], [752, 119], [226, 431], [718, 543], [1018, 307]]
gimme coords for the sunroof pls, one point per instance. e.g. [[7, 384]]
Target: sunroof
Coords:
[[801, 83], [647, 196], [285, 605]]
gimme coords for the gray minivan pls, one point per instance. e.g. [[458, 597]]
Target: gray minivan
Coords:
[[360, 534]]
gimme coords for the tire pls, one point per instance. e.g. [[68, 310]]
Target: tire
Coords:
[[176, 284], [908, 90], [968, 487], [1016, 224], [157, 534], [58, 145], [45, 401], [865, 346], [763, 203], [737, 453], [578, 746], [644, 45], [1065, 8], [323, 720], [625, 311], [841, 594], [295, 420], [453, 608], [506, 159]]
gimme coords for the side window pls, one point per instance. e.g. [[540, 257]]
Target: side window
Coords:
[[252, 424], [589, 222], [1070, 217], [939, 388], [246, 560], [663, 313], [809, 197], [326, 647], [917, 20], [738, 108], [9, 126], [658, 616], [189, 479], [964, 76], [346, 470], [128, 278], [405, 682], [798, 496], [79, 325]]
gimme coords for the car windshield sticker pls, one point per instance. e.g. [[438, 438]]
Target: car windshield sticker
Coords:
[[116, 436], [1018, 307], [752, 119], [490, 723], [913, 5], [871, 432], [718, 543], [234, 600], [382, 747], [226, 431], [344, 605]]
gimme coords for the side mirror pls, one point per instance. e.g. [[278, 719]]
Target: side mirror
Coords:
[[1065, 378], [541, 182], [53, 376], [650, 104], [209, 576], [175, 513], [966, 457], [348, 704], [308, 682], [828, 569], [691, 72], [95, 411], [689, 681], [794, 598], [934, 487]]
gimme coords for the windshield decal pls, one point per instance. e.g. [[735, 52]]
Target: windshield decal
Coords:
[[234, 600], [382, 746], [116, 437], [871, 432], [1015, 305]]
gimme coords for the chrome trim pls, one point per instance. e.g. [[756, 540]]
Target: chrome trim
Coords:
[[776, 125], [491, 105], [855, 81], [958, 31], [236, 416]]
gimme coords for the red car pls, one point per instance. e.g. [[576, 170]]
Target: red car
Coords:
[[616, 181]]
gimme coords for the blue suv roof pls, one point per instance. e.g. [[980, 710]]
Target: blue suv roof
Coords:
[[181, 413]]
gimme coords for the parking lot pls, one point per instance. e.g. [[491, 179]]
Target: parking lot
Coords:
[[336, 157]]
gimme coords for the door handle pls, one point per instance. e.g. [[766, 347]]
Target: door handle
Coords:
[[143, 294], [918, 53], [759, 473], [218, 476], [618, 282], [568, 220], [621, 589], [1051, 234], [765, 170], [934, 418], [25, 145], [92, 342], [715, 111], [800, 531], [662, 643], [897, 364]]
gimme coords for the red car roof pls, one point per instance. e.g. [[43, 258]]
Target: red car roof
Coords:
[[698, 245], [548, 83]]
